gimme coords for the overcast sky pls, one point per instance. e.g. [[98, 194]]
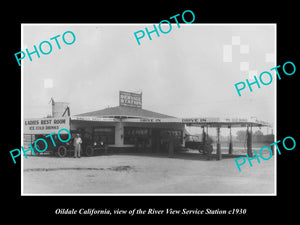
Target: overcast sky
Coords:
[[181, 73]]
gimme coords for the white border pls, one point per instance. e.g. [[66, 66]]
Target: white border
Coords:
[[154, 194]]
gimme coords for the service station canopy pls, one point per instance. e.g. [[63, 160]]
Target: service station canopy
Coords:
[[198, 122]]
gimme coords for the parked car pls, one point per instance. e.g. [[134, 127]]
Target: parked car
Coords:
[[96, 147], [205, 148]]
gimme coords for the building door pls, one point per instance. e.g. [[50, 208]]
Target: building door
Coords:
[[155, 140]]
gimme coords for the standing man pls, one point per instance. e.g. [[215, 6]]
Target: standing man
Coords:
[[77, 144]]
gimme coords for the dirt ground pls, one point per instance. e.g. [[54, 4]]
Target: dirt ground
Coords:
[[145, 174]]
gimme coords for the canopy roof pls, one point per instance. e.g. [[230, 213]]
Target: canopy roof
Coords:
[[125, 112], [138, 115]]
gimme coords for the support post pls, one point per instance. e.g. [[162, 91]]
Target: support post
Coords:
[[230, 142], [171, 147], [249, 141], [219, 155], [207, 133], [203, 136]]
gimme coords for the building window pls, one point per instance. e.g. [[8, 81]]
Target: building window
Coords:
[[135, 135], [104, 134], [167, 134]]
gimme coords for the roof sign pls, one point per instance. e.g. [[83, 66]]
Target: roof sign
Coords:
[[130, 99]]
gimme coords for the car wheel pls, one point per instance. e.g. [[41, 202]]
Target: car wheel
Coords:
[[62, 151], [208, 149], [89, 151]]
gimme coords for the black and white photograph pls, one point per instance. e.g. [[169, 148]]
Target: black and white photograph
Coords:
[[164, 109], [132, 112]]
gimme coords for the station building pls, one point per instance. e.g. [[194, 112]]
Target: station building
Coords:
[[129, 125]]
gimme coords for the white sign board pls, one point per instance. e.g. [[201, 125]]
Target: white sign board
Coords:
[[45, 125], [130, 99], [93, 118]]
